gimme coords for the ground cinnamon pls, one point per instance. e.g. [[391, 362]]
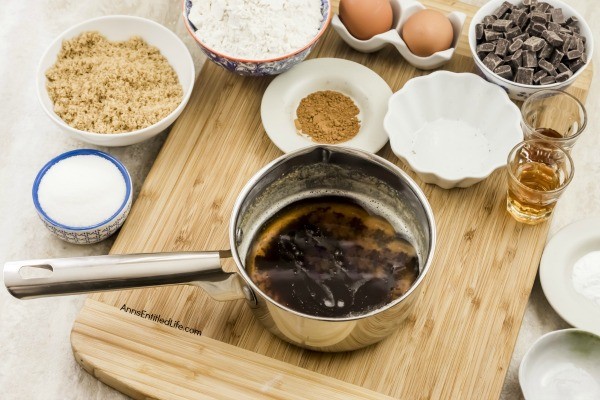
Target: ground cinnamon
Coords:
[[328, 117]]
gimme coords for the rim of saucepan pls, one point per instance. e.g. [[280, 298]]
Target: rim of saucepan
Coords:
[[333, 149], [90, 134], [80, 152], [188, 25], [557, 92], [491, 5]]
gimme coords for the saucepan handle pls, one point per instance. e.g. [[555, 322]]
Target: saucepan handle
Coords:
[[62, 276]]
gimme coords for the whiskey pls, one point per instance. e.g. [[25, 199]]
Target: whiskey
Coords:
[[528, 199], [548, 132]]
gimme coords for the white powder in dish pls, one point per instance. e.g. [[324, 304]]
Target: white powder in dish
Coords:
[[82, 190], [256, 29], [586, 276]]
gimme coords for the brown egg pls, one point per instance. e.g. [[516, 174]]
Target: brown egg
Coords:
[[426, 32], [366, 18]]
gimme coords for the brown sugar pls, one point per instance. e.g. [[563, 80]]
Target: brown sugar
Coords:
[[111, 87], [328, 117]]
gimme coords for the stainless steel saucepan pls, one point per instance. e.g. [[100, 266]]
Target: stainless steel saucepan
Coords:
[[312, 172]]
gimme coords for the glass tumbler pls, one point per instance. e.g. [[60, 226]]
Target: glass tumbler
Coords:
[[538, 174], [555, 116]]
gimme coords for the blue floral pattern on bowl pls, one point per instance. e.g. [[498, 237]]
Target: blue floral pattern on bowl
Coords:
[[259, 68], [88, 234]]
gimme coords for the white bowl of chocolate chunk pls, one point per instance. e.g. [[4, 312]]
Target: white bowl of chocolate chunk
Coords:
[[527, 45]]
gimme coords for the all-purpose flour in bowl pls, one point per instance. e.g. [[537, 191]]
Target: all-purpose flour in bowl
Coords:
[[83, 196], [256, 29]]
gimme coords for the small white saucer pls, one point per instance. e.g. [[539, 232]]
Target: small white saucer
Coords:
[[368, 90], [556, 269], [562, 365]]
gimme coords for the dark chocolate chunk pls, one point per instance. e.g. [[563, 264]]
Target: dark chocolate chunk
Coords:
[[575, 65], [552, 38], [500, 11], [538, 17], [502, 25], [579, 36], [539, 75], [523, 37], [567, 43], [516, 45], [580, 46], [518, 17], [541, 7], [485, 47], [572, 20], [563, 76], [524, 76], [562, 68], [546, 51], [491, 35], [516, 59], [574, 28], [547, 80], [488, 20], [537, 29], [557, 15], [501, 47], [512, 33], [556, 57], [554, 27], [479, 31], [573, 54], [584, 57], [529, 59], [534, 43], [546, 65], [492, 61], [504, 71], [528, 3]]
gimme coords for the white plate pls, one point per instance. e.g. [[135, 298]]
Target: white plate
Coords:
[[368, 90], [562, 365], [556, 269]]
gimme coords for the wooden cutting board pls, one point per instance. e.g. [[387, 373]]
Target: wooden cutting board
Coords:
[[456, 344]]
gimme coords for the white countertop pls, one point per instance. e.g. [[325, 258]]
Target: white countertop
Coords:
[[37, 362]]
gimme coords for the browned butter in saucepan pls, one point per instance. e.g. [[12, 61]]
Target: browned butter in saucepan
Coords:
[[329, 257]]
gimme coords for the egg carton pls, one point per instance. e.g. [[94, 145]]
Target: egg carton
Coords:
[[402, 10]]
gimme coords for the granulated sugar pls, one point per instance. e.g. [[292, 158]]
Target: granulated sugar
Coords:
[[256, 29], [82, 191]]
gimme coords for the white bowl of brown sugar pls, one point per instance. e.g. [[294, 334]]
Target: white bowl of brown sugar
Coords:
[[115, 80]]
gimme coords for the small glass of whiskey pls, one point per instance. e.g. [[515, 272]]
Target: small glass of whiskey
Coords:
[[538, 174], [555, 116]]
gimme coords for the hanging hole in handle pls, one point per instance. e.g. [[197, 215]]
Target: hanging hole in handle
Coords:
[[36, 271]]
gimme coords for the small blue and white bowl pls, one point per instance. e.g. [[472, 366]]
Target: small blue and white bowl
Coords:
[[273, 66], [86, 234]]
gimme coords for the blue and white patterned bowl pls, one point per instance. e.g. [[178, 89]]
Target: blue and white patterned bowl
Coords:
[[88, 234], [271, 66]]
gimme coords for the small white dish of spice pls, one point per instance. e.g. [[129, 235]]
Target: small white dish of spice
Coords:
[[115, 80], [326, 101], [83, 196], [570, 273]]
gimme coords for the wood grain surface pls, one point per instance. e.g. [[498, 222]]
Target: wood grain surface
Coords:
[[456, 344]]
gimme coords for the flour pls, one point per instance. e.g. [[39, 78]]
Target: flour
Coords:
[[256, 29], [586, 276]]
